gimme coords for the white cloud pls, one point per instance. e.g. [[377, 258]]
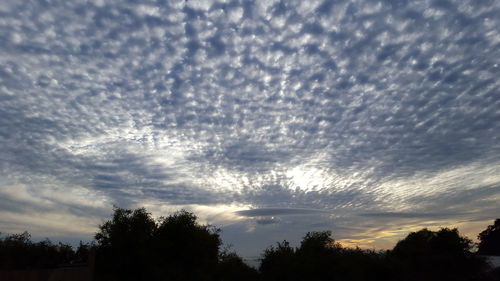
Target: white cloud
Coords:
[[348, 106]]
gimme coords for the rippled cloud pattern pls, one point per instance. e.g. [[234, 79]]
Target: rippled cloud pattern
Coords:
[[269, 117]]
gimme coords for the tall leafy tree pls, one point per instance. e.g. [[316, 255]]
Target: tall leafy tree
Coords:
[[191, 250], [123, 244], [232, 268], [279, 263], [134, 246], [318, 256], [490, 240], [315, 259], [436, 255]]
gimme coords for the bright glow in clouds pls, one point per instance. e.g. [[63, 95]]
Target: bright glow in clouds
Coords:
[[307, 179], [271, 119]]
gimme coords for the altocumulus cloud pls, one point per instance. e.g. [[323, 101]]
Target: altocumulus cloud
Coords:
[[269, 117]]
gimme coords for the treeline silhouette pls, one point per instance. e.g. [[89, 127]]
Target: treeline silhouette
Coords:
[[17, 251], [132, 245]]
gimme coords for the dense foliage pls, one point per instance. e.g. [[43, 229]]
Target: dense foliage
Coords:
[[423, 255], [17, 251], [490, 240], [231, 267], [429, 255], [134, 246]]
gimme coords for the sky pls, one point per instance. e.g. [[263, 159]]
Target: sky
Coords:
[[265, 118]]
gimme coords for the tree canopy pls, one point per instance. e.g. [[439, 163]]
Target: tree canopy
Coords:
[[422, 255], [278, 262], [319, 258], [135, 246], [429, 255], [490, 240], [17, 251]]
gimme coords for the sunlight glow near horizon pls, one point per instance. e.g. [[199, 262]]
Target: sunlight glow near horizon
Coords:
[[272, 118]]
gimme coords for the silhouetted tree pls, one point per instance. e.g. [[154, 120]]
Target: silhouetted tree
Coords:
[[279, 263], [441, 255], [82, 252], [318, 242], [124, 244], [490, 240], [320, 258], [355, 264], [189, 249], [133, 246], [232, 268], [317, 256], [14, 251], [17, 251]]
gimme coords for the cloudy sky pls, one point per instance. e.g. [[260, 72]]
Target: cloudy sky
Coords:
[[267, 118]]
